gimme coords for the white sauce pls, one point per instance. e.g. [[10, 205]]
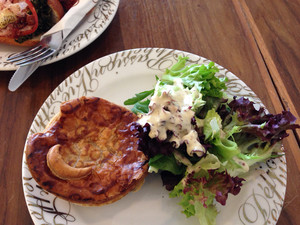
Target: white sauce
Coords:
[[242, 163], [171, 109]]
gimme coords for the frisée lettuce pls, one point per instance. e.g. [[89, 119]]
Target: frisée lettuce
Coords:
[[201, 141]]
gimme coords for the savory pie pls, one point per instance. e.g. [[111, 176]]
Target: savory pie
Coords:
[[88, 154]]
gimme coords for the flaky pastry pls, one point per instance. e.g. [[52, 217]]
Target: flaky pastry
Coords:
[[88, 154]]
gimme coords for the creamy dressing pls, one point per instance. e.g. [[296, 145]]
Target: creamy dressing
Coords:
[[236, 171], [170, 108], [242, 163]]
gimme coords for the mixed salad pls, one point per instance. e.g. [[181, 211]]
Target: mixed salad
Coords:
[[201, 141]]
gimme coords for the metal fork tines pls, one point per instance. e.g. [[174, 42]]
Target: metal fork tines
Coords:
[[32, 55]]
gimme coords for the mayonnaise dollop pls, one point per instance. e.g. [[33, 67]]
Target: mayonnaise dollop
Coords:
[[170, 108]]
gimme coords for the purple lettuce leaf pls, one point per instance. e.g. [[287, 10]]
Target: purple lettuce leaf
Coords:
[[266, 126], [218, 183]]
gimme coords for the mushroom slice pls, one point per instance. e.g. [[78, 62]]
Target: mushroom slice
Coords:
[[61, 169]]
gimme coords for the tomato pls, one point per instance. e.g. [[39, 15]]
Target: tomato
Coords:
[[34, 21]]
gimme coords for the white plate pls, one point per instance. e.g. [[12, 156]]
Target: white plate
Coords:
[[117, 77], [90, 29]]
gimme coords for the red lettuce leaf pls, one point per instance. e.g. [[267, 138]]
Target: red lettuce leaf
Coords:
[[265, 126], [218, 183]]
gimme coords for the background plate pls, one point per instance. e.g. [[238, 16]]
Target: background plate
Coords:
[[91, 28], [117, 77]]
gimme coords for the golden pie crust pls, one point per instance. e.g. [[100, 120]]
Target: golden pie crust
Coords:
[[88, 154]]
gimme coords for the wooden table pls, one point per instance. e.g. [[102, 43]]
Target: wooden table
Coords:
[[257, 40]]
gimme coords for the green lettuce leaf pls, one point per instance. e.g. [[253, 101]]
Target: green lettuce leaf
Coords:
[[198, 190], [206, 216], [200, 76], [141, 107], [167, 163], [223, 145], [138, 97]]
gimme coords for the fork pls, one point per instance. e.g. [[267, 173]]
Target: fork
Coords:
[[47, 47], [53, 39], [50, 43], [31, 59]]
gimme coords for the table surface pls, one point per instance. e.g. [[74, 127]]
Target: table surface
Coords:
[[257, 40]]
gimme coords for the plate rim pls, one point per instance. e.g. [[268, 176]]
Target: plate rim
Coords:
[[120, 53], [59, 56]]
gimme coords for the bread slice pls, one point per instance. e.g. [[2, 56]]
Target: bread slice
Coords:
[[88, 154], [57, 10]]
